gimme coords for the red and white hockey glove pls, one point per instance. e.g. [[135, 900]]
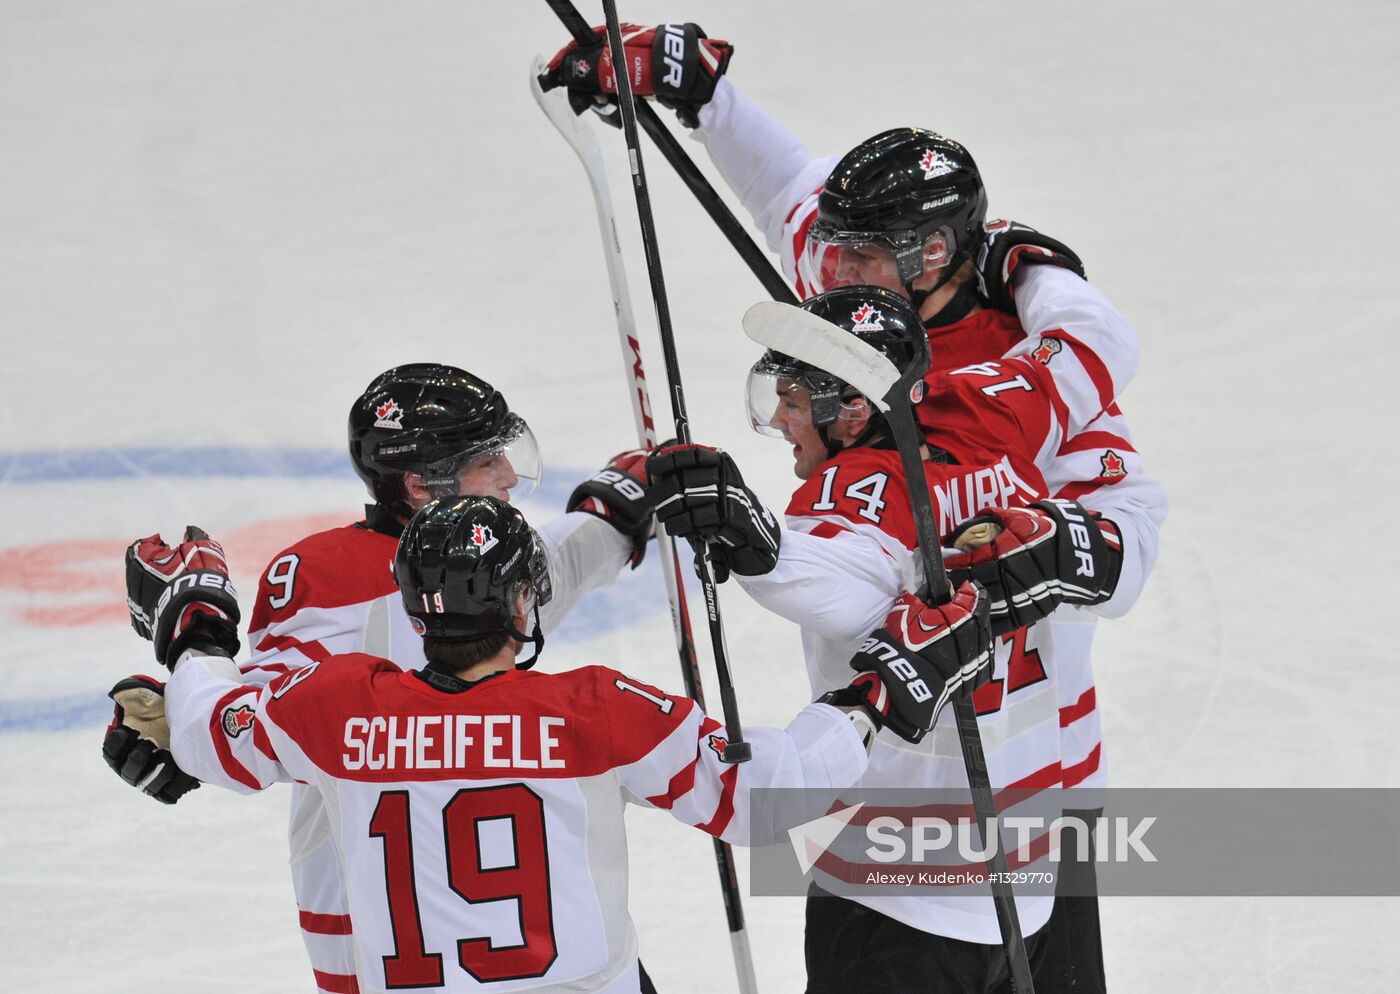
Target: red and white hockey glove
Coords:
[[1006, 247], [1033, 559], [182, 598], [700, 496], [923, 656], [137, 743], [617, 493], [676, 63]]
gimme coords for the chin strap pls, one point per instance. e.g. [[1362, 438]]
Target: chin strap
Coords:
[[536, 637]]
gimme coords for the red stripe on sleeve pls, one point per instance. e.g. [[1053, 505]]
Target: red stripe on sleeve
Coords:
[[313, 650], [325, 924], [1081, 771], [1087, 440], [1085, 705], [227, 760], [262, 743], [1074, 491], [828, 530], [724, 811], [1093, 365], [337, 983]]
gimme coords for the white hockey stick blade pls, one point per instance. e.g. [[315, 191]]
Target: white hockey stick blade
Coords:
[[804, 336]]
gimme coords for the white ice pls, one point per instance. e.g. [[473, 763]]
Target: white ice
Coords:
[[219, 220]]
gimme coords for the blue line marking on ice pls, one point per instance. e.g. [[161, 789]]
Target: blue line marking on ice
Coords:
[[62, 465], [631, 599]]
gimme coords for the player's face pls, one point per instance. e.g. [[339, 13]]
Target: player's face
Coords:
[[866, 264], [794, 419], [487, 476]]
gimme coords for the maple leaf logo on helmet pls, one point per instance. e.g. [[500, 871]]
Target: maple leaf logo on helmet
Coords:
[[867, 318], [1046, 350], [388, 415], [935, 164], [1112, 464], [483, 539], [236, 721]]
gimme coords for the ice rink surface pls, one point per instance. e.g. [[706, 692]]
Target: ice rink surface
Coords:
[[218, 221]]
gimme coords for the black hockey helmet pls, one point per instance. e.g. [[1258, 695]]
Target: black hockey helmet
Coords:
[[462, 565], [885, 200], [882, 318], [432, 419]]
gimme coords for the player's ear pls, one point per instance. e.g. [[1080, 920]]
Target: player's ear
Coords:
[[854, 417], [414, 490]]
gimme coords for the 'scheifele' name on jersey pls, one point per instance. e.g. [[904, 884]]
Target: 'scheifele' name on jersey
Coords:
[[452, 742]]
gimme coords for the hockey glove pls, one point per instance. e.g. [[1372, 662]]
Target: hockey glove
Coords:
[[182, 598], [137, 744], [1032, 559], [676, 63], [924, 655], [699, 496], [617, 494], [1007, 247]]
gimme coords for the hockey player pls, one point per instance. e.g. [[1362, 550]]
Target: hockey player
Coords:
[[906, 210], [418, 431], [849, 552], [477, 805]]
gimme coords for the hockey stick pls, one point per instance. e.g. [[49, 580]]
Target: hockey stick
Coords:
[[805, 336], [736, 749], [582, 140], [689, 173]]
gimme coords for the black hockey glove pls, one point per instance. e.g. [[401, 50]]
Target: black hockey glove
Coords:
[[137, 743], [1032, 559], [1008, 246], [699, 496], [182, 598], [617, 494], [676, 63], [924, 655]]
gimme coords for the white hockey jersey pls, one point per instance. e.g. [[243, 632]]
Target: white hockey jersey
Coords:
[[777, 180], [332, 593], [482, 830]]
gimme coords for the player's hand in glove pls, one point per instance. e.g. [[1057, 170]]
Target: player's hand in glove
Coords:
[[617, 494], [137, 744], [1007, 247], [923, 656], [1032, 559], [700, 496], [676, 63], [182, 598]]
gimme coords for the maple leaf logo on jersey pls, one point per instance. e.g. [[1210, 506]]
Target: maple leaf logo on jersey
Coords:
[[238, 720], [388, 415], [1112, 464], [483, 539], [718, 743], [1047, 350], [867, 318], [935, 164]]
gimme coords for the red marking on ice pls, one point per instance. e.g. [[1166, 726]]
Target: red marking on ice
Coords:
[[78, 583]]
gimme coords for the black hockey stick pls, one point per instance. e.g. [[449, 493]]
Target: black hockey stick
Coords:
[[736, 750], [690, 174], [579, 134], [792, 331]]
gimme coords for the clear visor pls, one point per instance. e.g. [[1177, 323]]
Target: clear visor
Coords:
[[507, 466], [835, 258], [779, 399]]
